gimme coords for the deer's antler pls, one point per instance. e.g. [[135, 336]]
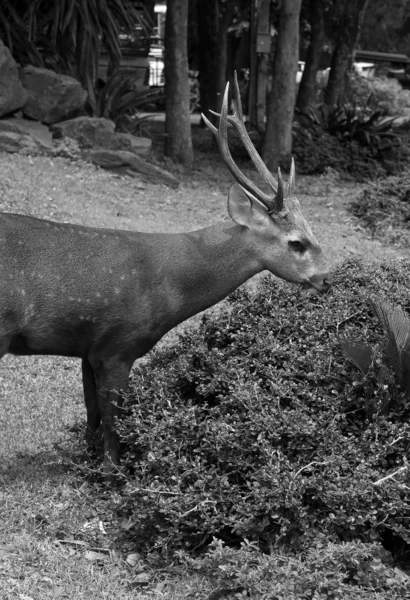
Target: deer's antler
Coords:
[[273, 203]]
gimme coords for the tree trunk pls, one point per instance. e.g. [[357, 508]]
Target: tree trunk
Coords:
[[277, 141], [349, 29], [214, 18], [308, 84], [208, 16], [178, 144], [225, 18]]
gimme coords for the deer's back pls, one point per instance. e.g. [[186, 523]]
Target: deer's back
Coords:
[[65, 288]]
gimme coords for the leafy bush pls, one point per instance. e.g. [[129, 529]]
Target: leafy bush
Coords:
[[119, 99], [384, 208], [67, 37], [340, 571], [357, 122], [350, 138], [256, 426], [315, 150], [380, 93]]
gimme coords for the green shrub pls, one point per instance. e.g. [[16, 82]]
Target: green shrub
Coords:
[[384, 208], [256, 426], [352, 138], [385, 94], [316, 150], [343, 571], [120, 100]]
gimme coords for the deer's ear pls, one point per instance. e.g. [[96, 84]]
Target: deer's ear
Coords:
[[244, 210]]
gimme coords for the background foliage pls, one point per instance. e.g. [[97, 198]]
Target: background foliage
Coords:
[[384, 209], [361, 137], [67, 36]]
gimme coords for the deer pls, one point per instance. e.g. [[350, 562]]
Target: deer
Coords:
[[107, 296]]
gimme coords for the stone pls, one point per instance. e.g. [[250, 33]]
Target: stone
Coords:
[[88, 132], [52, 97], [13, 141], [138, 145], [12, 94], [92, 132], [126, 162], [37, 131]]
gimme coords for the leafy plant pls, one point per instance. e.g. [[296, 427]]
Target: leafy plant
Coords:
[[14, 32], [396, 324], [384, 208], [353, 122], [352, 139], [350, 570], [120, 100], [67, 35], [255, 426], [379, 93]]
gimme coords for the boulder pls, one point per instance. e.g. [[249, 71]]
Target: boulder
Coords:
[[39, 133], [15, 141], [127, 162], [88, 132], [12, 94], [92, 132], [51, 97], [138, 145]]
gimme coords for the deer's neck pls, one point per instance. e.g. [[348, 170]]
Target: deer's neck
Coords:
[[201, 268]]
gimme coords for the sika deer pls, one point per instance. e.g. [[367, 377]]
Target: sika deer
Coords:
[[108, 296]]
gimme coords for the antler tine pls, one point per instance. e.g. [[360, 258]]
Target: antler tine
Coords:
[[291, 183], [237, 120], [237, 98], [281, 191], [221, 135]]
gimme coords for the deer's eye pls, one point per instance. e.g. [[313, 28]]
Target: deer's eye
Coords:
[[297, 246]]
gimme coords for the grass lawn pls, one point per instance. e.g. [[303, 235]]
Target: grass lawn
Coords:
[[57, 537]]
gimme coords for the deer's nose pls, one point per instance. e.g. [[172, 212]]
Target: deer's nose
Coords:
[[327, 282]]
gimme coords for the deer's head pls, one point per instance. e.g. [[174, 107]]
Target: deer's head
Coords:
[[282, 239]]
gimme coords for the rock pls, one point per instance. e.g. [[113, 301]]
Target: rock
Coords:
[[88, 132], [92, 132], [12, 141], [123, 161], [39, 133], [138, 145], [12, 94], [51, 97]]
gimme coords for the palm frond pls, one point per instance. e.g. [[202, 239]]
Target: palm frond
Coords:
[[396, 323]]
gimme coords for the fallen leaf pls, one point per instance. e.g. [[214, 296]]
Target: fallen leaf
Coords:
[[94, 556], [133, 559]]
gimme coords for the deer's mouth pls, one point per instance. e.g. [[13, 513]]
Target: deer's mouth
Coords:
[[314, 287]]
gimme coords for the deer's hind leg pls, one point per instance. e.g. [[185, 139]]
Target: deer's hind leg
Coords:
[[91, 403], [111, 377]]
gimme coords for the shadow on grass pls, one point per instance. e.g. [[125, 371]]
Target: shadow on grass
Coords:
[[38, 467]]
